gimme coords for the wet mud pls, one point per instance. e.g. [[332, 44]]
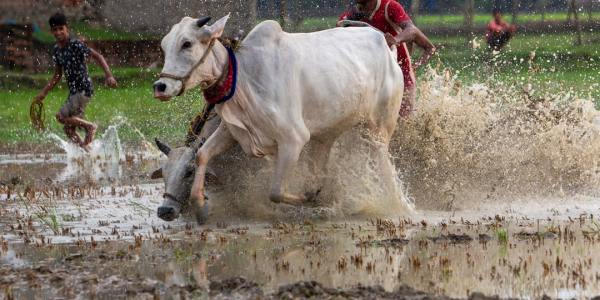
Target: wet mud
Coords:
[[114, 246]]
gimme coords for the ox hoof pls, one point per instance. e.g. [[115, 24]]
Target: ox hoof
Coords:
[[167, 213], [312, 197], [287, 199], [202, 214]]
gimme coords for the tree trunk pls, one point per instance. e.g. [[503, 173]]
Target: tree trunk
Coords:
[[282, 14], [414, 10], [515, 10], [570, 11], [469, 11], [590, 10], [573, 8], [469, 16], [543, 9]]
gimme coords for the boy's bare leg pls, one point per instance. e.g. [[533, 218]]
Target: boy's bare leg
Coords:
[[89, 127], [72, 134], [89, 137]]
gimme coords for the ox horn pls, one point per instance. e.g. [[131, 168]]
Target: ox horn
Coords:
[[164, 148], [202, 21]]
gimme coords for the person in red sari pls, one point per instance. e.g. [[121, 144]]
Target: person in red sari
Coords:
[[390, 18]]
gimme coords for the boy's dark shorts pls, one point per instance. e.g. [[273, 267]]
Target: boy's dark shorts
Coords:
[[75, 105]]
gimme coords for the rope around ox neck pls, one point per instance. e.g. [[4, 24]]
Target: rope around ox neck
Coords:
[[184, 78]]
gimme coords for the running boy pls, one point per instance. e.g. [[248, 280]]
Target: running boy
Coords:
[[69, 55]]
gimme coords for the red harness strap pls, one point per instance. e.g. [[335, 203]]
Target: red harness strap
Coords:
[[224, 91]]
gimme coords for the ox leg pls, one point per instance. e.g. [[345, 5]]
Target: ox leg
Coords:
[[320, 156], [287, 157], [320, 151], [218, 142]]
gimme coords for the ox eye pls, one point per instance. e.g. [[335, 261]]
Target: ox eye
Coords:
[[190, 170], [186, 45]]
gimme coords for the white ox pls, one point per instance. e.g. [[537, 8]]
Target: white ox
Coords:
[[291, 88]]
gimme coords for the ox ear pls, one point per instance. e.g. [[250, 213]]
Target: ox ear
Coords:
[[216, 30], [164, 148], [156, 174]]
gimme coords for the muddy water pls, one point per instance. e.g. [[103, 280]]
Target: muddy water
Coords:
[[104, 240], [116, 246]]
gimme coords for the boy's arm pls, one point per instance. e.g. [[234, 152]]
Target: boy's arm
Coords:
[[110, 79], [53, 82]]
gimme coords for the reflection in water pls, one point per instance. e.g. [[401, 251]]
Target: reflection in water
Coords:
[[448, 256]]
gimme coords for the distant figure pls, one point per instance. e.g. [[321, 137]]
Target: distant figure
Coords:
[[390, 18], [499, 32], [69, 55]]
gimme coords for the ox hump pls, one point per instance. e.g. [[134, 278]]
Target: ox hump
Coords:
[[265, 30]]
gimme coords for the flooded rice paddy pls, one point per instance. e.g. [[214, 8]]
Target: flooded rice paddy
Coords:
[[503, 203], [100, 237]]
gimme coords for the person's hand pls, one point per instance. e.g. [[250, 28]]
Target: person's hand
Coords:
[[111, 81], [39, 98], [390, 39]]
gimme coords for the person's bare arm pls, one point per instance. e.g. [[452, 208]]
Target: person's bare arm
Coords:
[[350, 23], [410, 33], [51, 84], [110, 79]]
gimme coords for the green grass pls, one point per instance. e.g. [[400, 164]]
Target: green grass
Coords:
[[124, 75], [94, 33], [50, 220], [454, 20], [483, 19], [134, 102], [558, 65], [502, 235]]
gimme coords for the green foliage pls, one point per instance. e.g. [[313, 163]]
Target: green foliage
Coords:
[[447, 20], [50, 220], [502, 235], [183, 255], [94, 33]]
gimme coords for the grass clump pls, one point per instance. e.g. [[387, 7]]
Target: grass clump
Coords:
[[51, 220], [502, 235]]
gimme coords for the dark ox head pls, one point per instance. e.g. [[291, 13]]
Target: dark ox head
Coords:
[[178, 174]]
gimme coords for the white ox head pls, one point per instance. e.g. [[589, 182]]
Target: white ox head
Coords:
[[184, 47]]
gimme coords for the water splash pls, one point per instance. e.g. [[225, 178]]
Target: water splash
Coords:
[[490, 142], [106, 155], [360, 181], [102, 161]]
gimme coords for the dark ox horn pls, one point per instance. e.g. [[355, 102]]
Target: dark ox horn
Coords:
[[164, 148], [202, 21]]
